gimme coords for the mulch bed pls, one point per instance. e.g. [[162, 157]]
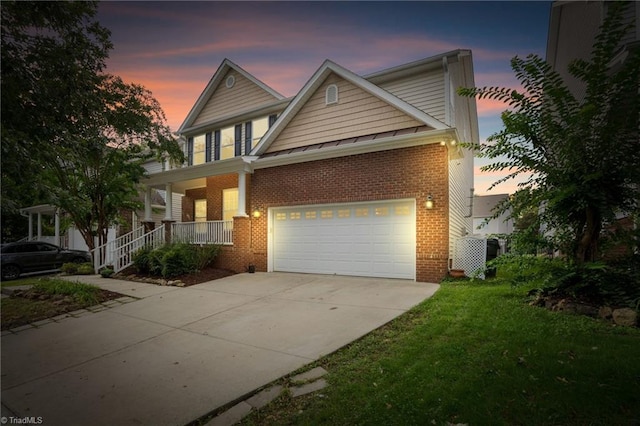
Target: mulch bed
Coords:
[[207, 274]]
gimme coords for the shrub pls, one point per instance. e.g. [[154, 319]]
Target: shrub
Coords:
[[85, 269], [174, 259], [106, 272], [205, 254], [141, 260], [70, 268]]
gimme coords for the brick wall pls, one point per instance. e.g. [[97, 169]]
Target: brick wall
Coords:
[[396, 174]]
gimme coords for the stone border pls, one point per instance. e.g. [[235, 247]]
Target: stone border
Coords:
[[74, 314], [300, 384]]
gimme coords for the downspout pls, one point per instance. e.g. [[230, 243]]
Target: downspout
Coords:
[[471, 190]]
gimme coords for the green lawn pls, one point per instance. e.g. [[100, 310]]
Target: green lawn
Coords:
[[477, 354]]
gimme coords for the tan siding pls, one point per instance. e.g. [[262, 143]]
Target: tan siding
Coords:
[[424, 91], [357, 113], [225, 101]]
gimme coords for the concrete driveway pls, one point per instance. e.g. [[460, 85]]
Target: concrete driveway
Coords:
[[178, 353]]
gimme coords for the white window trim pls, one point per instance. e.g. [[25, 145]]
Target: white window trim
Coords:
[[327, 94]]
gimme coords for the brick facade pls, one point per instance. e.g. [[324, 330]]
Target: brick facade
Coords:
[[395, 174]]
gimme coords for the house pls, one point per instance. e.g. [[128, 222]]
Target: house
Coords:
[[573, 28], [354, 175]]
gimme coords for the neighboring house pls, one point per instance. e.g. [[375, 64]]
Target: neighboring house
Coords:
[[355, 175], [484, 224], [483, 221], [573, 28]]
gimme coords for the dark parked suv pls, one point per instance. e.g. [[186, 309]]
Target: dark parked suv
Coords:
[[35, 256]]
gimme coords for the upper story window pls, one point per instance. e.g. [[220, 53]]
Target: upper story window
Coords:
[[331, 94], [199, 150], [227, 142]]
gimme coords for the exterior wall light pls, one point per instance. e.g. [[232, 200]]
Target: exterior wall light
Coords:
[[443, 143], [256, 213], [429, 203]]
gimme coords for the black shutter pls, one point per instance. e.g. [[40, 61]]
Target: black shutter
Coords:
[[216, 145], [272, 119], [238, 140], [207, 152], [247, 137], [190, 151]]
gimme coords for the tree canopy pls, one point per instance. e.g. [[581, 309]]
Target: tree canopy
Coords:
[[72, 135], [580, 155]]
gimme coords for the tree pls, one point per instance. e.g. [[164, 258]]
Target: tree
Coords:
[[75, 136], [582, 155]]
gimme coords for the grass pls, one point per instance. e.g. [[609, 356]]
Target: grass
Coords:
[[476, 354], [51, 297]]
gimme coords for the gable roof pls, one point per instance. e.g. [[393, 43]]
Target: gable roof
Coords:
[[213, 84], [327, 68]]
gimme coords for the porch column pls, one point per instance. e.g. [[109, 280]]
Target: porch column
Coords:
[[242, 194], [147, 205], [30, 226], [39, 226], [56, 227], [168, 202]]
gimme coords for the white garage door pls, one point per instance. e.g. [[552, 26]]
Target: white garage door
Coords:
[[373, 239]]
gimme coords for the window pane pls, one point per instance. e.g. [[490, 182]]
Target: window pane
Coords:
[[260, 127], [227, 142], [200, 207], [229, 203], [199, 147]]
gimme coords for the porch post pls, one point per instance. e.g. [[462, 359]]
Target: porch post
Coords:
[[30, 226], [39, 226], [168, 217], [168, 202], [242, 194], [56, 216], [147, 205]]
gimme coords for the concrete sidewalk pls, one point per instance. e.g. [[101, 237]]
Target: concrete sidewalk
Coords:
[[179, 353]]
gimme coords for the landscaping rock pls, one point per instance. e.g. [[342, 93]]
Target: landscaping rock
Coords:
[[605, 312], [625, 316]]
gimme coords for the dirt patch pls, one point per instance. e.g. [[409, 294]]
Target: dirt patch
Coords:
[[28, 306]]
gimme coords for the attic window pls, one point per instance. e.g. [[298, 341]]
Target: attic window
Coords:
[[331, 95], [230, 81]]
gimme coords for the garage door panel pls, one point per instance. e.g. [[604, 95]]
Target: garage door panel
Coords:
[[376, 239]]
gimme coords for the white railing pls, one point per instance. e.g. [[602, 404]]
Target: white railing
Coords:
[[210, 232], [119, 253], [104, 255]]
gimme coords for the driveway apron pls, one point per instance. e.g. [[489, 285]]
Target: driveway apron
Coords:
[[178, 353]]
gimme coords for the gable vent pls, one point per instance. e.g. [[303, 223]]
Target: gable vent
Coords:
[[331, 95], [231, 80]]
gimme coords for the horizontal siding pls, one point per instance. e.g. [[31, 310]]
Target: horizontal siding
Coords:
[[357, 113], [244, 95], [424, 91], [460, 184]]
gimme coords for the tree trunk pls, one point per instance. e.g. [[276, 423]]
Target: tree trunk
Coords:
[[587, 249]]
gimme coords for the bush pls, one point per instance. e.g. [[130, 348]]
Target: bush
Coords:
[[106, 272], [205, 254], [174, 259], [70, 268], [85, 269], [141, 260]]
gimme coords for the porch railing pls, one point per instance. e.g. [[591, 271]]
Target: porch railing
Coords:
[[210, 232], [119, 252]]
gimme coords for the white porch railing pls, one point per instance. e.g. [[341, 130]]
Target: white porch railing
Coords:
[[119, 252], [210, 232]]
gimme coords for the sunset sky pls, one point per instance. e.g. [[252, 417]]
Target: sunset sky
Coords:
[[174, 48]]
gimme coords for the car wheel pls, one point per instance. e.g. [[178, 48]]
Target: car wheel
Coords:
[[10, 272]]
